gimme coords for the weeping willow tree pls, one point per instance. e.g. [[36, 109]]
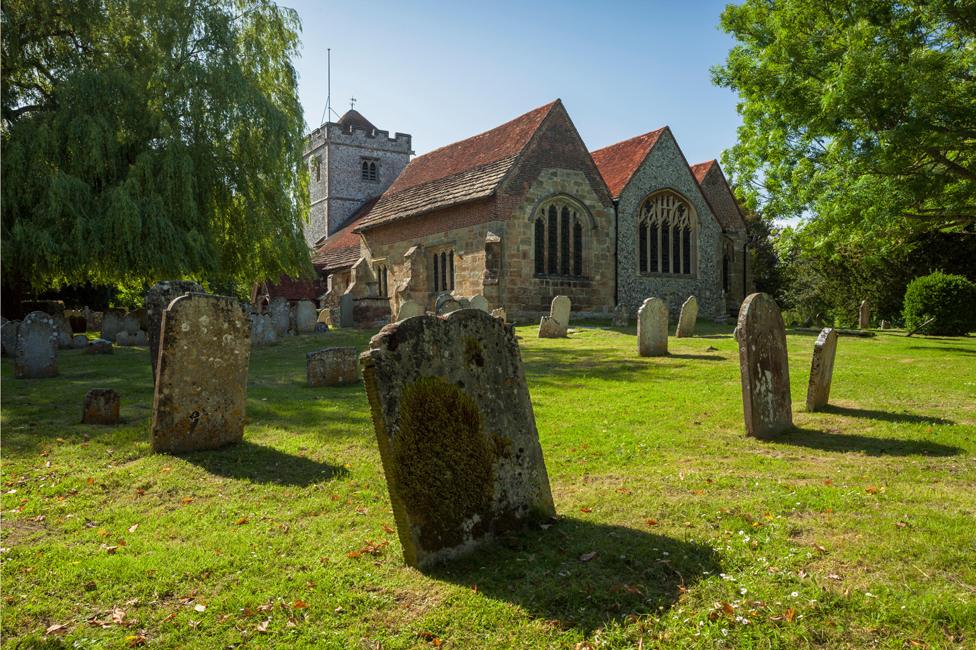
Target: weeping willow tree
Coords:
[[145, 139]]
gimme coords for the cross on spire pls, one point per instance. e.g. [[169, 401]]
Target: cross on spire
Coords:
[[352, 103]]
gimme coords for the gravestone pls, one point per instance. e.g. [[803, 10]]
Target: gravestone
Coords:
[[64, 330], [155, 301], [201, 380], [557, 322], [445, 304], [885, 325], [763, 367], [36, 352], [500, 314], [332, 367], [864, 315], [652, 328], [620, 318], [130, 323], [101, 407], [687, 319], [99, 346], [8, 337], [262, 331], [305, 317], [324, 317], [78, 323], [280, 316], [141, 317], [111, 324], [131, 339], [409, 309], [79, 341], [821, 369], [346, 304], [479, 302], [456, 432]]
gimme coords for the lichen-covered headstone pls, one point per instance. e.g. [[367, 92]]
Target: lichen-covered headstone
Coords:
[[821, 369], [332, 367], [79, 341], [652, 328], [36, 352], [864, 315], [262, 331], [280, 316], [620, 318], [101, 407], [132, 339], [456, 432], [556, 323], [201, 380], [8, 337], [479, 302], [687, 318], [445, 304], [764, 367], [111, 324], [409, 309], [64, 330], [155, 301], [305, 317], [346, 304]]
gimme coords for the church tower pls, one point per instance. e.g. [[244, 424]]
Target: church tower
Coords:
[[350, 162]]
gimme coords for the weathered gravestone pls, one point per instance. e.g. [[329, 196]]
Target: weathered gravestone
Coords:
[[262, 331], [77, 321], [131, 324], [99, 346], [280, 316], [79, 341], [8, 337], [821, 369], [111, 324], [332, 367], [885, 325], [201, 380], [479, 302], [864, 315], [101, 407], [346, 304], [456, 432], [499, 314], [620, 318], [305, 317], [64, 330], [137, 338], [409, 309], [763, 367], [156, 300], [652, 328], [687, 318], [556, 323], [36, 352], [445, 304]]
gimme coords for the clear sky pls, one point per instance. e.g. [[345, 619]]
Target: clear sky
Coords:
[[443, 71]]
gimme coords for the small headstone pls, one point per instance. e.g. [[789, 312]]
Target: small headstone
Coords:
[[687, 318], [111, 324], [409, 309], [652, 328], [262, 331], [64, 330], [101, 407], [78, 323], [346, 304], [332, 367], [764, 367], [155, 301], [479, 302], [445, 304], [79, 341], [886, 325], [499, 314], [620, 318], [464, 303], [99, 346], [8, 337], [130, 323], [131, 339], [556, 323], [141, 317], [864, 315], [36, 352], [306, 316], [201, 380], [456, 432], [280, 316], [821, 369], [550, 328]]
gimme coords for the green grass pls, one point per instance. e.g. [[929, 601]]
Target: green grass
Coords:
[[856, 530]]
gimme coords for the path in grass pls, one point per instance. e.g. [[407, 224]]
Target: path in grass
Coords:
[[857, 529]]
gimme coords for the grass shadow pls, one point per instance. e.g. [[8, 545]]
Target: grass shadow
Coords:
[[583, 574], [698, 357], [260, 464], [842, 442], [942, 349], [884, 416]]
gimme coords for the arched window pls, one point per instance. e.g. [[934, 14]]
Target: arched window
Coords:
[[365, 172], [558, 232], [372, 171], [667, 234], [443, 271]]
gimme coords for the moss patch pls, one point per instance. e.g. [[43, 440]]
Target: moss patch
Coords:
[[444, 463]]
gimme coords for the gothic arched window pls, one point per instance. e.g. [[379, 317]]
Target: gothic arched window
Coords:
[[365, 171], [558, 232], [667, 234]]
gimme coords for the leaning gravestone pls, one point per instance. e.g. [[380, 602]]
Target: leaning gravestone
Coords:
[[456, 432], [8, 337], [620, 318], [479, 302], [101, 407], [821, 369], [763, 367], [36, 352], [305, 317], [409, 309], [864, 315], [332, 367], [687, 319], [557, 322], [652, 328], [156, 300], [201, 380], [280, 316]]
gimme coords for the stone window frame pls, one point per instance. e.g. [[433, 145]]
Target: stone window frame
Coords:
[[568, 244], [382, 273], [369, 169], [442, 268], [689, 227], [316, 165]]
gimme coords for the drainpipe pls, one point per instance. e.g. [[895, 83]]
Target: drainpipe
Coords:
[[745, 270], [616, 246]]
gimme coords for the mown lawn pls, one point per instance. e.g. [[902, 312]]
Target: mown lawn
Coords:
[[675, 530]]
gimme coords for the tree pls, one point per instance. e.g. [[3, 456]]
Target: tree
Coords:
[[145, 139], [859, 118]]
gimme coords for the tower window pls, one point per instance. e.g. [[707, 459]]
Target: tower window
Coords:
[[369, 170]]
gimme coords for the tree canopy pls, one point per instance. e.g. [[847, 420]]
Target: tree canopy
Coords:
[[859, 117], [145, 139]]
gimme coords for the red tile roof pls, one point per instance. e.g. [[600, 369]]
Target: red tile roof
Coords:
[[700, 170], [460, 172], [720, 196], [341, 250], [618, 162]]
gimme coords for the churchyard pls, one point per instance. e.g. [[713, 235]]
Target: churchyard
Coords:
[[673, 527]]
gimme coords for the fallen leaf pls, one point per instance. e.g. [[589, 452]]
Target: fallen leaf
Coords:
[[167, 469], [57, 628], [586, 557], [90, 481], [169, 618], [698, 492], [871, 490], [101, 532], [833, 576], [388, 530], [651, 522], [133, 528], [200, 607], [111, 549], [299, 604], [585, 509], [186, 500], [624, 490], [820, 548], [134, 640], [241, 521], [828, 482], [140, 491], [901, 524], [789, 615]]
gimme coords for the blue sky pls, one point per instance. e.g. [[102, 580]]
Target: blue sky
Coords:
[[443, 71]]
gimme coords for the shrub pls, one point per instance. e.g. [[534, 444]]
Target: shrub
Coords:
[[949, 299]]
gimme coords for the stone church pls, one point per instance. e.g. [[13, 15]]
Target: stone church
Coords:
[[520, 214]]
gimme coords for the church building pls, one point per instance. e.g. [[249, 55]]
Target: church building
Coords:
[[519, 214]]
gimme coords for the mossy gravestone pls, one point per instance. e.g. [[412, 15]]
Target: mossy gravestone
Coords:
[[36, 353], [201, 379], [687, 319], [821, 369], [652, 328], [556, 324], [155, 301], [456, 432], [763, 367]]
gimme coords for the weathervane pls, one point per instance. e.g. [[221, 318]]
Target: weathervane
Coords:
[[352, 103]]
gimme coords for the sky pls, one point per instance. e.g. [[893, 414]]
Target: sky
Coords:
[[444, 71]]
